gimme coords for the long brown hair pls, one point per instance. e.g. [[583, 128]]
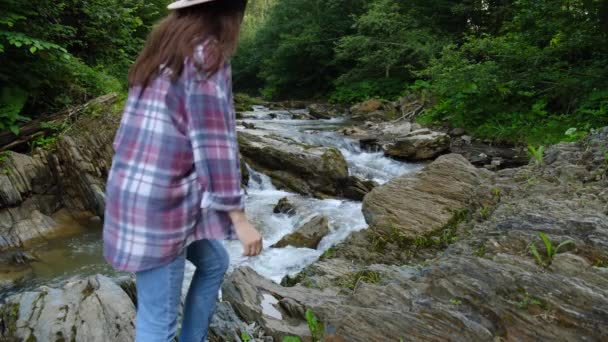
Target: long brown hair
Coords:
[[217, 23]]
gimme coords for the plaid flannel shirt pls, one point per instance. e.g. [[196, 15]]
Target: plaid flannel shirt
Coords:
[[175, 173]]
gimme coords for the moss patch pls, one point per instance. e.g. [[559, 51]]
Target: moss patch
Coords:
[[350, 280]]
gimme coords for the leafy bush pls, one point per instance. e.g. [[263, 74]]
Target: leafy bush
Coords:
[[388, 88], [60, 53]]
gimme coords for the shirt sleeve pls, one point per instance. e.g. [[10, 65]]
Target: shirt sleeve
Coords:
[[212, 133]]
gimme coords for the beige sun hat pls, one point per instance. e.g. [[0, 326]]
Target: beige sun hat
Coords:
[[186, 3]]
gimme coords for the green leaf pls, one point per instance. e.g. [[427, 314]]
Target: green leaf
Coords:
[[565, 243], [291, 339], [245, 337], [14, 129], [33, 49], [548, 245], [536, 255]]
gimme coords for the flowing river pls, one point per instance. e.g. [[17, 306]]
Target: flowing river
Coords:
[[81, 255]]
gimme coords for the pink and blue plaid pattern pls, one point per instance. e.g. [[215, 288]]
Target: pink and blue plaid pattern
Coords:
[[175, 172]]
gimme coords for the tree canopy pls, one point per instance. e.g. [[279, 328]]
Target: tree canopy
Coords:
[[59, 53], [523, 70], [513, 69]]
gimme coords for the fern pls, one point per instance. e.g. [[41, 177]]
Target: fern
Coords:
[[537, 154]]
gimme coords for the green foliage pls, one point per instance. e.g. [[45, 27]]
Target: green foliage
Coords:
[[526, 301], [538, 76], [291, 339], [317, 330], [481, 251], [547, 259], [60, 53], [12, 101], [329, 253], [351, 92], [245, 337], [455, 301], [537, 153]]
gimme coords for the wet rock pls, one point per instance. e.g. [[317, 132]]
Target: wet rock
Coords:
[[309, 235], [284, 206], [244, 173], [248, 125], [481, 154], [323, 111], [418, 204], [227, 326], [457, 132], [355, 132], [402, 128], [356, 188], [366, 107], [305, 169], [371, 110], [91, 309], [418, 145]]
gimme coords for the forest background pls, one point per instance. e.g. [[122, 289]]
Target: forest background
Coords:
[[533, 71]]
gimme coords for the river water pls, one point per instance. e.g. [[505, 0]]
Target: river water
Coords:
[[81, 255]]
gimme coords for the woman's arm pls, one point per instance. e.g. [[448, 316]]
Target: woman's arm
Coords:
[[212, 132]]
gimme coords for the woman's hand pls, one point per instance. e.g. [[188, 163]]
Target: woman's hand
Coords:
[[249, 236]]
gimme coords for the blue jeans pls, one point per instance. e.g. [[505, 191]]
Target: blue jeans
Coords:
[[159, 295]]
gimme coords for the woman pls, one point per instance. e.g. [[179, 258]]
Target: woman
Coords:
[[174, 189]]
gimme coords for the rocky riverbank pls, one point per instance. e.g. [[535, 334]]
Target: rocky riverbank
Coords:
[[461, 268]]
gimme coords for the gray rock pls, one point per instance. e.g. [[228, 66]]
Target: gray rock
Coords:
[[457, 132], [309, 235], [226, 325], [356, 188], [309, 170], [323, 111], [418, 145], [277, 309], [91, 309], [284, 206]]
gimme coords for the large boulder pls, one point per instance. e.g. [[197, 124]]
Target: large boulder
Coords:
[[305, 169], [87, 310], [418, 145], [418, 204], [309, 235]]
